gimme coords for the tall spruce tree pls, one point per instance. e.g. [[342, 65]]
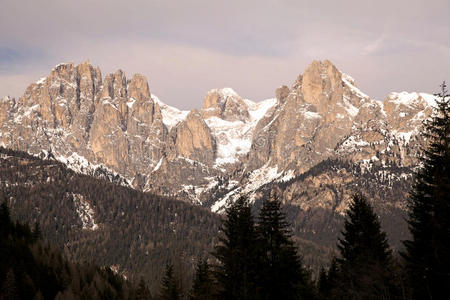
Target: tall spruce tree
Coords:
[[364, 265], [203, 285], [142, 292], [428, 252], [237, 253], [282, 275], [170, 289], [328, 281]]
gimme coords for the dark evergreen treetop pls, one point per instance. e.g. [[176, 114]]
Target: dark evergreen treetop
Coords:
[[236, 253], [203, 285], [282, 274], [142, 292], [170, 288], [362, 239], [428, 252], [273, 227], [364, 267]]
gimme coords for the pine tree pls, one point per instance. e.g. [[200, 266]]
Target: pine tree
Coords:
[[322, 282], [365, 256], [236, 253], [328, 281], [203, 285], [282, 275], [170, 289], [428, 252], [37, 233], [9, 289], [5, 219], [142, 292]]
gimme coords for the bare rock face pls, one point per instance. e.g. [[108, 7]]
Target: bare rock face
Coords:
[[73, 111], [309, 120], [193, 139], [321, 86], [315, 143], [138, 88], [281, 93], [6, 107], [231, 146], [225, 104]]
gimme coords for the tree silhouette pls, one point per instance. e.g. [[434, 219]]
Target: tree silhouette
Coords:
[[428, 252], [142, 292], [365, 257], [236, 253], [170, 289], [328, 281], [281, 274], [203, 285]]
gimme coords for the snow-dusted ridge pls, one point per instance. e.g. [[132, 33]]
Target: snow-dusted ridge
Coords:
[[234, 138], [411, 99], [81, 165], [171, 115], [350, 82], [256, 179]]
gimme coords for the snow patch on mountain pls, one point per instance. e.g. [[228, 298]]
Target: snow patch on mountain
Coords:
[[227, 93], [131, 102], [412, 99], [171, 115], [158, 165], [350, 82], [404, 136], [81, 165], [256, 179], [353, 143], [234, 138], [84, 211], [42, 80]]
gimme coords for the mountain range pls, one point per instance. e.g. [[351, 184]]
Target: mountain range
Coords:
[[313, 144]]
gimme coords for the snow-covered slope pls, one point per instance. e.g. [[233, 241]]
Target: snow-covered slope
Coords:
[[234, 138], [171, 115]]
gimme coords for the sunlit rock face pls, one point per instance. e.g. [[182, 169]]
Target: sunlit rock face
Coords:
[[232, 145]]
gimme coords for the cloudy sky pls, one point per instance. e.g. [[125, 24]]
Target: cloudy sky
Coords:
[[187, 47]]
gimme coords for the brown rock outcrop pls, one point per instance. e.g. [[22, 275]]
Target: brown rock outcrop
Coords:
[[193, 139], [224, 104], [117, 123]]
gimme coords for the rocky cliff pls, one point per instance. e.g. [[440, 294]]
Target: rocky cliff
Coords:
[[115, 127]]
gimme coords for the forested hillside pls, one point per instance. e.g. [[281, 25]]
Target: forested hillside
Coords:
[[32, 269], [315, 200], [95, 221]]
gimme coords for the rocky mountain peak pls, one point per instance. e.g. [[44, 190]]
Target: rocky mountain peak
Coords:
[[63, 71], [6, 106], [193, 138], [115, 86], [225, 104], [281, 93], [314, 144], [138, 88], [321, 85], [231, 146], [5, 99]]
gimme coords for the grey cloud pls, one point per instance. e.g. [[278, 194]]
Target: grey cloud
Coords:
[[188, 47]]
